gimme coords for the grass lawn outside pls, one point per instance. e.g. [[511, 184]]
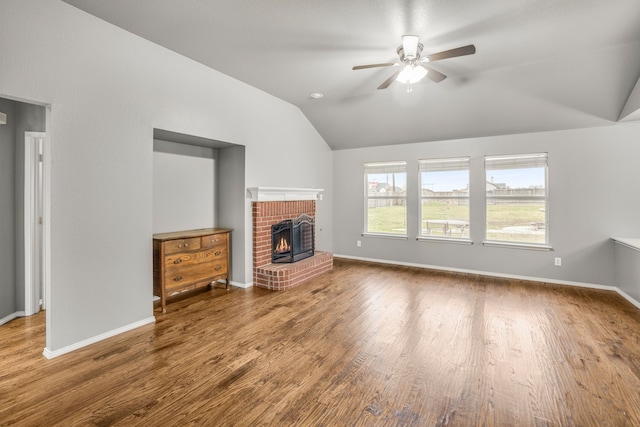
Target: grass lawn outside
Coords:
[[505, 222]]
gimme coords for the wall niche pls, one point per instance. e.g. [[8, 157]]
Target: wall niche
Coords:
[[199, 183]]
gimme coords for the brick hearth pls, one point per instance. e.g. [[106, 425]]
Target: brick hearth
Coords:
[[282, 276]]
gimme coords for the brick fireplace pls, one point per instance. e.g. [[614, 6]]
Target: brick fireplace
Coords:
[[282, 276]]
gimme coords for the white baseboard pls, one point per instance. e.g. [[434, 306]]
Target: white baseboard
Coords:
[[628, 297], [505, 276], [50, 354], [241, 285], [8, 318]]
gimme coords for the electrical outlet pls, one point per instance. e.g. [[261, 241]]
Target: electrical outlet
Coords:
[[557, 261], [358, 243]]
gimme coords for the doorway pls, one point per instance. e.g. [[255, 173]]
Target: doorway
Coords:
[[24, 207]]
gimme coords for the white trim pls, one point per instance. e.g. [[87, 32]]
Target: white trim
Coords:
[[241, 285], [46, 238], [483, 273], [9, 318], [628, 297], [30, 306], [445, 240], [528, 246], [49, 354], [506, 276], [236, 284], [3, 119], [281, 194], [627, 242], [386, 236]]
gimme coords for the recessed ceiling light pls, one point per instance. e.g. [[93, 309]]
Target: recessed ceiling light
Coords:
[[316, 95]]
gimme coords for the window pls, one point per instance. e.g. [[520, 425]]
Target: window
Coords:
[[444, 197], [386, 198], [516, 198]]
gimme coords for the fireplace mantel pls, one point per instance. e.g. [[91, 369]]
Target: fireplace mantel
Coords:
[[281, 194]]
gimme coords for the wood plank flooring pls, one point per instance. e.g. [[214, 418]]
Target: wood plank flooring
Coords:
[[364, 345]]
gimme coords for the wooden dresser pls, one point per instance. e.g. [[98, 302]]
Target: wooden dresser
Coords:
[[185, 260]]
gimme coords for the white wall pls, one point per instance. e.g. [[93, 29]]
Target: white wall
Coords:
[[184, 189], [108, 90], [593, 195], [231, 212]]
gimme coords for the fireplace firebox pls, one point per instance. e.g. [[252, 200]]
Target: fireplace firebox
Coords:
[[292, 240]]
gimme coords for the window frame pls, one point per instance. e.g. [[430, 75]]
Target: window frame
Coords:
[[371, 168], [519, 161], [444, 164]]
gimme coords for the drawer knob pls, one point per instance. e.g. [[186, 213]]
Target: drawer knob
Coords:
[[178, 261], [177, 278], [218, 268], [186, 244], [218, 252]]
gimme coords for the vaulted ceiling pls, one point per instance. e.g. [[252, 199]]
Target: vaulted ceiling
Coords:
[[540, 64]]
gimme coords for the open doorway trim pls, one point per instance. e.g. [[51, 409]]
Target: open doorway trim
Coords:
[[34, 262]]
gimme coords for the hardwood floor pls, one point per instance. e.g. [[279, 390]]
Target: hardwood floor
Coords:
[[365, 345]]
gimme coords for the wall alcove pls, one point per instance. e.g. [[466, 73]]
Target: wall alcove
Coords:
[[199, 183]]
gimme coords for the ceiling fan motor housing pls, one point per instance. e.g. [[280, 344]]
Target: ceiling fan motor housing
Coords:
[[402, 57]]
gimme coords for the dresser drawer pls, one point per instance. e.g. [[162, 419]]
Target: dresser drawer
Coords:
[[186, 259], [181, 245], [214, 240], [195, 273]]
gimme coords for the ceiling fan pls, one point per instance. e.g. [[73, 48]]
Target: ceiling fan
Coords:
[[412, 66]]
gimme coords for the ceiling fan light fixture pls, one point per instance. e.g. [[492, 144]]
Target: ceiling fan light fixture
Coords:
[[411, 60], [411, 74]]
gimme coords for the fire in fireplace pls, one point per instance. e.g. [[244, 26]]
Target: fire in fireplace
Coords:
[[292, 240]]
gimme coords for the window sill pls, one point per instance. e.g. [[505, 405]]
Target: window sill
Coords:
[[445, 240], [386, 236], [527, 246]]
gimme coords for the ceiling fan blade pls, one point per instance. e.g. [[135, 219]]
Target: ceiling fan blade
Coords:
[[435, 76], [390, 80], [362, 67], [410, 46], [452, 53]]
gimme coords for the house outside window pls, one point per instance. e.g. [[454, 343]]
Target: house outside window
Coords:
[[517, 198], [386, 198], [444, 198]]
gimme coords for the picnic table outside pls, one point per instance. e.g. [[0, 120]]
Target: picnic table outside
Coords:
[[448, 225]]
